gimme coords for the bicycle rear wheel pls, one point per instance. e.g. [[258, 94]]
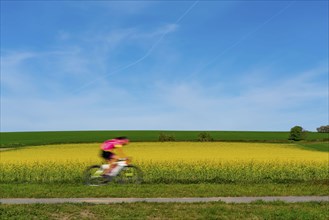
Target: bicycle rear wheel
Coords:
[[93, 176], [130, 174]]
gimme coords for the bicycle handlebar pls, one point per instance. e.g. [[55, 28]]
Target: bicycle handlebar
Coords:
[[128, 159]]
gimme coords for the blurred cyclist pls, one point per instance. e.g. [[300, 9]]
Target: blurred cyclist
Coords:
[[108, 148]]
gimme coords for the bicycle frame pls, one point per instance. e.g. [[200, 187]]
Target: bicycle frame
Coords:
[[116, 170]]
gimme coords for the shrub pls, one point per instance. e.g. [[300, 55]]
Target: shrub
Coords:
[[205, 136], [166, 137]]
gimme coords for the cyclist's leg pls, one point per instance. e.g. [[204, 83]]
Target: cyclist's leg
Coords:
[[112, 163], [108, 157]]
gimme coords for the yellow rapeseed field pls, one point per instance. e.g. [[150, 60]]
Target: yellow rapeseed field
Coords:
[[172, 162], [169, 151]]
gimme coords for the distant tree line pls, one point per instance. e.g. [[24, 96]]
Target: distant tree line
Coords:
[[202, 137], [297, 133]]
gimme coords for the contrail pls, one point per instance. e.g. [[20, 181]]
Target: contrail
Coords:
[[140, 59], [240, 40]]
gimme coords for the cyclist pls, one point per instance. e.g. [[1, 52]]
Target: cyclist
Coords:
[[108, 147]]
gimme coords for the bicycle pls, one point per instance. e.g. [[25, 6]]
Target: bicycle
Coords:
[[123, 173]]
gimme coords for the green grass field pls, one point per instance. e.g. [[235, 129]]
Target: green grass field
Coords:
[[322, 146], [16, 139]]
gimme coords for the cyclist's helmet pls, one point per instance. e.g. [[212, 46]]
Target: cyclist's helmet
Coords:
[[122, 139]]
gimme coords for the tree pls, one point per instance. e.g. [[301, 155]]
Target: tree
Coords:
[[323, 129], [297, 133]]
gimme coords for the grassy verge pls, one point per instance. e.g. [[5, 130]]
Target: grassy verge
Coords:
[[159, 190], [215, 210]]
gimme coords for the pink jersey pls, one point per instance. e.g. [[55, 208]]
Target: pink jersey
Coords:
[[111, 144]]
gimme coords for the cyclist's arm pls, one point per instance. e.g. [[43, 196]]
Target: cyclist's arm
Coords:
[[120, 151]]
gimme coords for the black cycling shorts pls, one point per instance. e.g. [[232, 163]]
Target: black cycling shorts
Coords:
[[107, 155]]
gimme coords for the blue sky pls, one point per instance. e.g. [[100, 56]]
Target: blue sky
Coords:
[[164, 65]]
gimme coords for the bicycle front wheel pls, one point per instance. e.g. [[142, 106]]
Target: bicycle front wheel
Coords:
[[93, 176], [130, 174]]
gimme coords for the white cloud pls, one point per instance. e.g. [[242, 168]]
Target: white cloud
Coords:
[[86, 61], [298, 88], [264, 104], [127, 7], [63, 35], [157, 32], [276, 105], [13, 77], [115, 8]]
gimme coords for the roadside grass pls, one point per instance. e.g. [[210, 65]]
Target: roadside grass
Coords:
[[161, 190], [142, 210]]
